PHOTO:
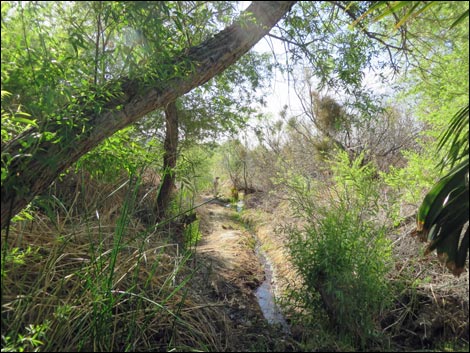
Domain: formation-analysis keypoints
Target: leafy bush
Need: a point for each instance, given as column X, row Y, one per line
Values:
column 342, row 254
column 117, row 154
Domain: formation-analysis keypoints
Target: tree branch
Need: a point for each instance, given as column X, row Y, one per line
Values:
column 31, row 171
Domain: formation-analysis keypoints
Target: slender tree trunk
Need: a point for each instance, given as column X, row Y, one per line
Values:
column 169, row 161
column 34, row 166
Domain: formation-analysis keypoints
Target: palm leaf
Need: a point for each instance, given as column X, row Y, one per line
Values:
column 461, row 18
column 457, row 136
column 442, row 219
column 386, row 8
column 444, row 212
column 438, row 197
column 413, row 12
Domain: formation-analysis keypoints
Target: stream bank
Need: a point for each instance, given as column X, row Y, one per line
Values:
column 265, row 293
column 232, row 272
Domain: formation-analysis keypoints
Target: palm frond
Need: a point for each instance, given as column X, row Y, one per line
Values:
column 461, row 18
column 444, row 212
column 457, row 135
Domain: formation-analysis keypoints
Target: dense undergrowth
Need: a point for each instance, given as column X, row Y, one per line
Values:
column 100, row 282
column 106, row 280
column 353, row 277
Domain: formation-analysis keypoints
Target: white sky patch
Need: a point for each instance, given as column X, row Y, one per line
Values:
column 281, row 91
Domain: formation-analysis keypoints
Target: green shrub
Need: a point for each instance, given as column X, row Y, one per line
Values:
column 344, row 260
column 342, row 255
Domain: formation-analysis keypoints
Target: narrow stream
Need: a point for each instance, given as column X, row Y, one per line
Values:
column 265, row 292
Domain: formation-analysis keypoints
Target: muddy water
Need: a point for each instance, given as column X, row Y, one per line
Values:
column 265, row 292
column 265, row 295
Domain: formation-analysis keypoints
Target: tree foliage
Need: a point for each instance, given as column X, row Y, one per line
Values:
column 96, row 110
column 443, row 215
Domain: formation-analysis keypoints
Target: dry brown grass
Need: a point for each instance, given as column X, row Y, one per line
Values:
column 62, row 281
column 432, row 307
column 93, row 290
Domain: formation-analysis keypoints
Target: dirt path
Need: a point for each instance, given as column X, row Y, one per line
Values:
column 233, row 271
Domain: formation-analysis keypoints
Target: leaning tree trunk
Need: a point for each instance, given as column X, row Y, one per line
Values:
column 169, row 161
column 34, row 166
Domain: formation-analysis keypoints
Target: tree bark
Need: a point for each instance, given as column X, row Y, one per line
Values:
column 169, row 161
column 33, row 168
